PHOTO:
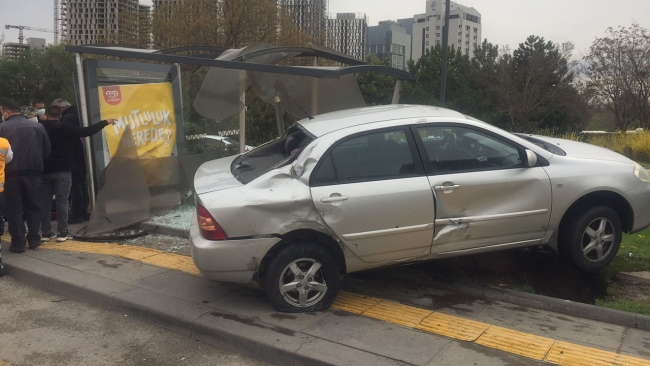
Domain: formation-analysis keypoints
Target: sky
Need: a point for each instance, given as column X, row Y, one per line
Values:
column 505, row 22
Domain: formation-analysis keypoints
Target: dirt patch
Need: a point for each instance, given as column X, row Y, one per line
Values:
column 631, row 291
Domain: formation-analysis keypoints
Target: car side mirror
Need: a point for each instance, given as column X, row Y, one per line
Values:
column 531, row 158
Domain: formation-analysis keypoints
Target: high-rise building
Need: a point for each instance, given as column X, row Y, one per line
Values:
column 13, row 51
column 464, row 28
column 346, row 33
column 309, row 16
column 100, row 21
column 144, row 26
column 35, row 43
column 389, row 40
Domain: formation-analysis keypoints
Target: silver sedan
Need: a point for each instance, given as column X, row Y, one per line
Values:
column 372, row 187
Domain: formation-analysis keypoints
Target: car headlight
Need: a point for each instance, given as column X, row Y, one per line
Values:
column 641, row 173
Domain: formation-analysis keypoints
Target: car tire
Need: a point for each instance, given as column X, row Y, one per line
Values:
column 591, row 240
column 302, row 277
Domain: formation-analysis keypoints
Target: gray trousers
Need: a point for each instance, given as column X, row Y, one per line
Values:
column 58, row 185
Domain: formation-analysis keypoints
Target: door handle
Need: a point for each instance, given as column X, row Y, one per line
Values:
column 446, row 188
column 334, row 198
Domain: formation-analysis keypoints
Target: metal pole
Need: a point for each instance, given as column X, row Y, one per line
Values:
column 242, row 112
column 397, row 92
column 445, row 49
column 278, row 115
column 83, row 110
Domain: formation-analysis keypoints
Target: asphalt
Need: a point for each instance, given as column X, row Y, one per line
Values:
column 360, row 329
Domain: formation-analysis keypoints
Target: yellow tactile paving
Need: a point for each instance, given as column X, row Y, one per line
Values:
column 353, row 303
column 397, row 313
column 564, row 353
column 453, row 326
column 519, row 343
column 174, row 261
column 507, row 340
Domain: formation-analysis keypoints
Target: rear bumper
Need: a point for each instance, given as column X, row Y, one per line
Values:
column 228, row 260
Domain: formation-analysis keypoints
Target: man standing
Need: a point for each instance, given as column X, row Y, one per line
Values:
column 39, row 108
column 79, row 189
column 31, row 147
column 57, row 171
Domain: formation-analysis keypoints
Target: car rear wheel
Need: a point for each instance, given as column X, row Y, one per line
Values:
column 592, row 239
column 302, row 277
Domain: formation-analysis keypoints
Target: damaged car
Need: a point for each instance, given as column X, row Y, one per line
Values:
column 372, row 187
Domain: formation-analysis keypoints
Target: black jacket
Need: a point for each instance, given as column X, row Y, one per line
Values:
column 62, row 137
column 30, row 145
column 71, row 116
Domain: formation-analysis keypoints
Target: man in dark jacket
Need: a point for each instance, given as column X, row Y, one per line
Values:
column 57, row 172
column 31, row 147
column 79, row 188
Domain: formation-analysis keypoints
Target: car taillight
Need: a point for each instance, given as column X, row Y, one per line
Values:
column 208, row 226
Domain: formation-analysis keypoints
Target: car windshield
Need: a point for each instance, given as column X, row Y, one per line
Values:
column 544, row 145
column 271, row 155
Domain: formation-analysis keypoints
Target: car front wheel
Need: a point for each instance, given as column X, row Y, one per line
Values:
column 302, row 277
column 592, row 239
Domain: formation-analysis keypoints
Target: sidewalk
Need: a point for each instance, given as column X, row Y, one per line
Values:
column 166, row 290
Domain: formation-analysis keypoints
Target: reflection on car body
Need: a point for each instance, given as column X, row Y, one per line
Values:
column 371, row 187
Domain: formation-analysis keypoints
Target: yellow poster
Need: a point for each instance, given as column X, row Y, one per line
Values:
column 148, row 110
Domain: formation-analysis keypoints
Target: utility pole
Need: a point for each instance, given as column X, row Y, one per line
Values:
column 445, row 50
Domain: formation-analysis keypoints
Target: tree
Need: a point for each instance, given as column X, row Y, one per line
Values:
column 618, row 75
column 377, row 89
column 224, row 23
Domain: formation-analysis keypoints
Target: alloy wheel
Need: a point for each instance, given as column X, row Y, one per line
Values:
column 598, row 239
column 302, row 283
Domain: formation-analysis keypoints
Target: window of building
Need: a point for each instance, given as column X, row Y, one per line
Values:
column 438, row 27
column 427, row 43
column 427, row 35
column 454, row 16
column 427, row 29
column 437, row 34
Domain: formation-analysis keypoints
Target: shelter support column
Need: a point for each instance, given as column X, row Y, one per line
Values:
column 397, row 92
column 242, row 112
column 83, row 110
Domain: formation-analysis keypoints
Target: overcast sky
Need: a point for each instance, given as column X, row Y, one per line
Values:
column 505, row 22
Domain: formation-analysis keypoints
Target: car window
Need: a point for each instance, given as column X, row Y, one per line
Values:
column 456, row 149
column 271, row 155
column 374, row 156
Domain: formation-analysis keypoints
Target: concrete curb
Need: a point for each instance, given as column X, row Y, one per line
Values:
column 567, row 307
column 246, row 336
column 165, row 230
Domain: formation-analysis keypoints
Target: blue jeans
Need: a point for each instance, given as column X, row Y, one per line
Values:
column 57, row 185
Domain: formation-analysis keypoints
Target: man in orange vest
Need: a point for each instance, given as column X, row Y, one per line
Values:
column 5, row 156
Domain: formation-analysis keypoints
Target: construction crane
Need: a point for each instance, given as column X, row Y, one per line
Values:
column 20, row 28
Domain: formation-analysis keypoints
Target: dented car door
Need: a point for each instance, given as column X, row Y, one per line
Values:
column 485, row 194
column 372, row 192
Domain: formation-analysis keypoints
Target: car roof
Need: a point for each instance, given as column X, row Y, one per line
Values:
column 329, row 122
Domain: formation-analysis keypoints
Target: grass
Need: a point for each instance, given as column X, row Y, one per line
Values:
column 523, row 287
column 633, row 256
column 645, row 165
column 625, row 305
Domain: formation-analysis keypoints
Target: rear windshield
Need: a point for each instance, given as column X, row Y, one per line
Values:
column 544, row 145
column 271, row 155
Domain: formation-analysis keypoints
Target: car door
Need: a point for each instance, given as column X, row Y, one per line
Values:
column 371, row 190
column 484, row 192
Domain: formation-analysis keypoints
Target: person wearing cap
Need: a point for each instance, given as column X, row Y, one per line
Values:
column 79, row 189
column 31, row 146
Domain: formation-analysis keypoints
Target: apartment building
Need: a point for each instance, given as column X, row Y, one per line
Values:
column 464, row 28
column 389, row 40
column 100, row 21
column 309, row 16
column 346, row 33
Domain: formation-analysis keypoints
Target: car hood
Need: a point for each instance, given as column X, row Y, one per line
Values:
column 583, row 150
column 215, row 175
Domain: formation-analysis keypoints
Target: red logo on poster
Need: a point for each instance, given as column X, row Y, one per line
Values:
column 112, row 95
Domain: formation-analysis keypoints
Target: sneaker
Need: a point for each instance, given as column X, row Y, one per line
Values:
column 61, row 237
column 47, row 237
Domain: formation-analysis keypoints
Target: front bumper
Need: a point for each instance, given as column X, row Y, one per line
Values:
column 228, row 260
column 640, row 200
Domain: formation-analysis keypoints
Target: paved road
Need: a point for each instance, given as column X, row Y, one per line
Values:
column 41, row 328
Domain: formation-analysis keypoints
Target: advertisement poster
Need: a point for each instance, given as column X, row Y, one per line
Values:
column 148, row 110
